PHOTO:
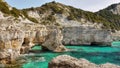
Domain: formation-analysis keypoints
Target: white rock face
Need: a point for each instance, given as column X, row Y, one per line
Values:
column 62, row 20
column 86, row 36
column 66, row 61
column 34, row 14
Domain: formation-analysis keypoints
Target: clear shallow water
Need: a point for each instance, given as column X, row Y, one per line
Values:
column 98, row 55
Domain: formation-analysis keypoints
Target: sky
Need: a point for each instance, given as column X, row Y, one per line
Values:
column 88, row 5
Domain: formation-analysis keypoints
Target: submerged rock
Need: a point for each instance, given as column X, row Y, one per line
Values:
column 66, row 61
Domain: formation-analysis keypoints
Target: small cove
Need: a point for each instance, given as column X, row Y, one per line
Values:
column 95, row 54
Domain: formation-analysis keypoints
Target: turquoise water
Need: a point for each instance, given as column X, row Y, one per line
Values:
column 116, row 43
column 36, row 48
column 98, row 55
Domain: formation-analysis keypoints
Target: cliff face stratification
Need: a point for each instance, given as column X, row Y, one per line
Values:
column 86, row 36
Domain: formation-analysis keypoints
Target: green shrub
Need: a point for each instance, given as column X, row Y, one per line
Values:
column 71, row 17
column 32, row 19
column 4, row 8
column 15, row 12
column 51, row 18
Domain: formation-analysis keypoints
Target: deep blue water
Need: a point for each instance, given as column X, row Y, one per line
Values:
column 95, row 54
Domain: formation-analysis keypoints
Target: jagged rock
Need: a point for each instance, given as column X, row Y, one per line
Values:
column 66, row 61
column 53, row 41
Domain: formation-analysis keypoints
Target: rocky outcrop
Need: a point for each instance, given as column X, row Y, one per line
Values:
column 16, row 38
column 86, row 36
column 49, row 38
column 54, row 41
column 65, row 61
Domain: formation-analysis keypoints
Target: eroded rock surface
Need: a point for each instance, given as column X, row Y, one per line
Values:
column 54, row 41
column 86, row 36
column 66, row 61
column 18, row 38
column 10, row 44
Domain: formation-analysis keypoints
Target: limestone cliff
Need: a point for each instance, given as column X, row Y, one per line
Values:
column 15, row 40
column 19, row 32
column 86, row 36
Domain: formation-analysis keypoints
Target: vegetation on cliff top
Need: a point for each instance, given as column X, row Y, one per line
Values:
column 77, row 14
column 5, row 9
column 74, row 14
column 106, row 17
column 13, row 11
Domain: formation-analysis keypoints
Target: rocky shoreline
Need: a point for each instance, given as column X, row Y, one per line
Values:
column 19, row 40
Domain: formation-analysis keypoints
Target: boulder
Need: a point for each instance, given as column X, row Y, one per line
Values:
column 66, row 61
